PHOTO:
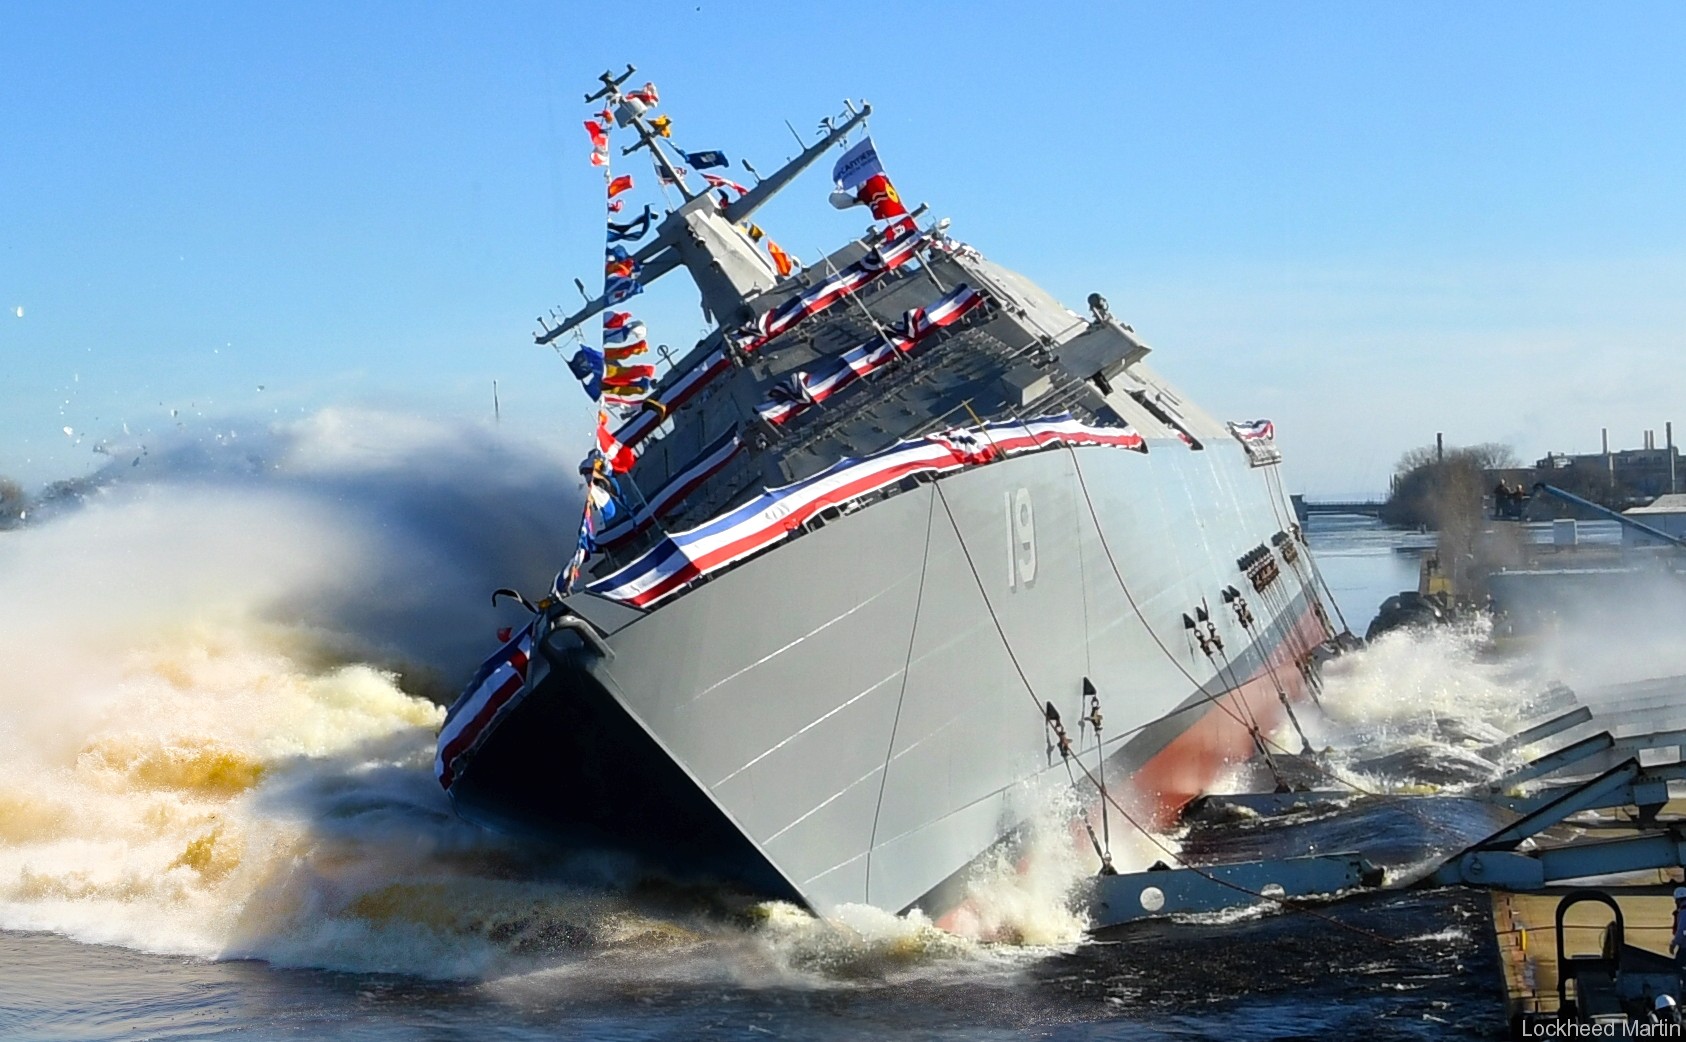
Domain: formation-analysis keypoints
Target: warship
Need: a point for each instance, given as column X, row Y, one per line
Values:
column 901, row 542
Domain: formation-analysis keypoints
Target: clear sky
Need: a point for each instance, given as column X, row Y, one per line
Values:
column 1367, row 222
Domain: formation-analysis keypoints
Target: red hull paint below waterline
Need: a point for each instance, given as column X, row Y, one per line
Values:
column 1153, row 796
column 1222, row 737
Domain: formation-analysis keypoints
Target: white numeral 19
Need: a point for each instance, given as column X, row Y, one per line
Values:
column 1021, row 540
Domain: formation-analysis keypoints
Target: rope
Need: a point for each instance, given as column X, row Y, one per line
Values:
column 1244, row 616
column 1275, row 494
column 1216, row 701
column 1274, row 481
column 1065, row 749
column 1285, row 903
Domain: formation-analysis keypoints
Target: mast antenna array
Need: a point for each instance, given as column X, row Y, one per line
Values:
column 661, row 254
column 611, row 84
column 629, row 114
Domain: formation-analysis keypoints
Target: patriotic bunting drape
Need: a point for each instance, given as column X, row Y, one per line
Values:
column 494, row 690
column 708, row 463
column 678, row 560
column 1258, row 439
column 812, row 301
column 785, row 402
column 826, row 292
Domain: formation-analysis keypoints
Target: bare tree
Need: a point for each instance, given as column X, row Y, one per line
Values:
column 1493, row 455
column 13, row 503
column 1443, row 490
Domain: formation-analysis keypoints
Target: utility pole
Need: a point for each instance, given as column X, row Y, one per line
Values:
column 1668, row 433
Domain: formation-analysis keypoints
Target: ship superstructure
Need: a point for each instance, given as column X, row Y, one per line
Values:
column 889, row 544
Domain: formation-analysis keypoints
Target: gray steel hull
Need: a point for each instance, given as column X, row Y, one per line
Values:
column 853, row 716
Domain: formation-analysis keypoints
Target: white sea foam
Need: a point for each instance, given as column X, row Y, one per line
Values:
column 1406, row 680
column 218, row 743
column 201, row 756
column 218, row 740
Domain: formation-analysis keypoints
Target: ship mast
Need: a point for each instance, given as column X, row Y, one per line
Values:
column 700, row 235
column 629, row 114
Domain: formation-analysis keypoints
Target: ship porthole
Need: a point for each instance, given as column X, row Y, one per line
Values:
column 1153, row 899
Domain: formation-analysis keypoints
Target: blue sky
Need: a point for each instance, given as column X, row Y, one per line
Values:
column 1366, row 222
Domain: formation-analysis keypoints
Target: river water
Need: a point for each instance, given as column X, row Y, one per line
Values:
column 222, row 821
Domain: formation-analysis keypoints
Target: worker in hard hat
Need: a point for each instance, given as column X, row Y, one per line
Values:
column 1665, row 1011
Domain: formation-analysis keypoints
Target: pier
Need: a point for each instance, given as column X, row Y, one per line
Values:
column 1580, row 876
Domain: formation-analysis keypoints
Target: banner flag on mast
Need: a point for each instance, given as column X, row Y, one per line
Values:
column 881, row 198
column 588, row 364
column 861, row 180
column 599, row 142
column 857, row 164
column 715, row 181
column 705, row 160
column 633, row 230
column 662, row 174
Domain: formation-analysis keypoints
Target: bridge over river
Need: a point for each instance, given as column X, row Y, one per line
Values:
column 1304, row 508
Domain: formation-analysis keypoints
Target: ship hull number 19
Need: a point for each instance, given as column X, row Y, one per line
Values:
column 1021, row 540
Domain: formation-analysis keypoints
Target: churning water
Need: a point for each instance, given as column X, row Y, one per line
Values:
column 217, row 812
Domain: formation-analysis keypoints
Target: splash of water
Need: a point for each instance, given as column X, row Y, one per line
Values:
column 220, row 738
column 1407, row 677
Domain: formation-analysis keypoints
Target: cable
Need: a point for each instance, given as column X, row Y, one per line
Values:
column 1311, row 561
column 1215, row 700
column 1275, row 493
column 1065, row 748
column 1283, row 902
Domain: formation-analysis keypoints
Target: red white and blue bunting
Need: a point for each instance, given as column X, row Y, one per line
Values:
column 673, row 564
column 779, row 320
column 826, row 292
column 708, row 463
column 493, row 692
column 804, row 389
column 1258, row 438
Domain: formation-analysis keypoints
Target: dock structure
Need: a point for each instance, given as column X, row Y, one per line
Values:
column 1524, row 925
column 1626, row 847
column 1589, row 845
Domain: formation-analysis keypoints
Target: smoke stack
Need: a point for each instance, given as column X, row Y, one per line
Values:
column 1668, row 432
column 1439, row 447
column 1609, row 461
